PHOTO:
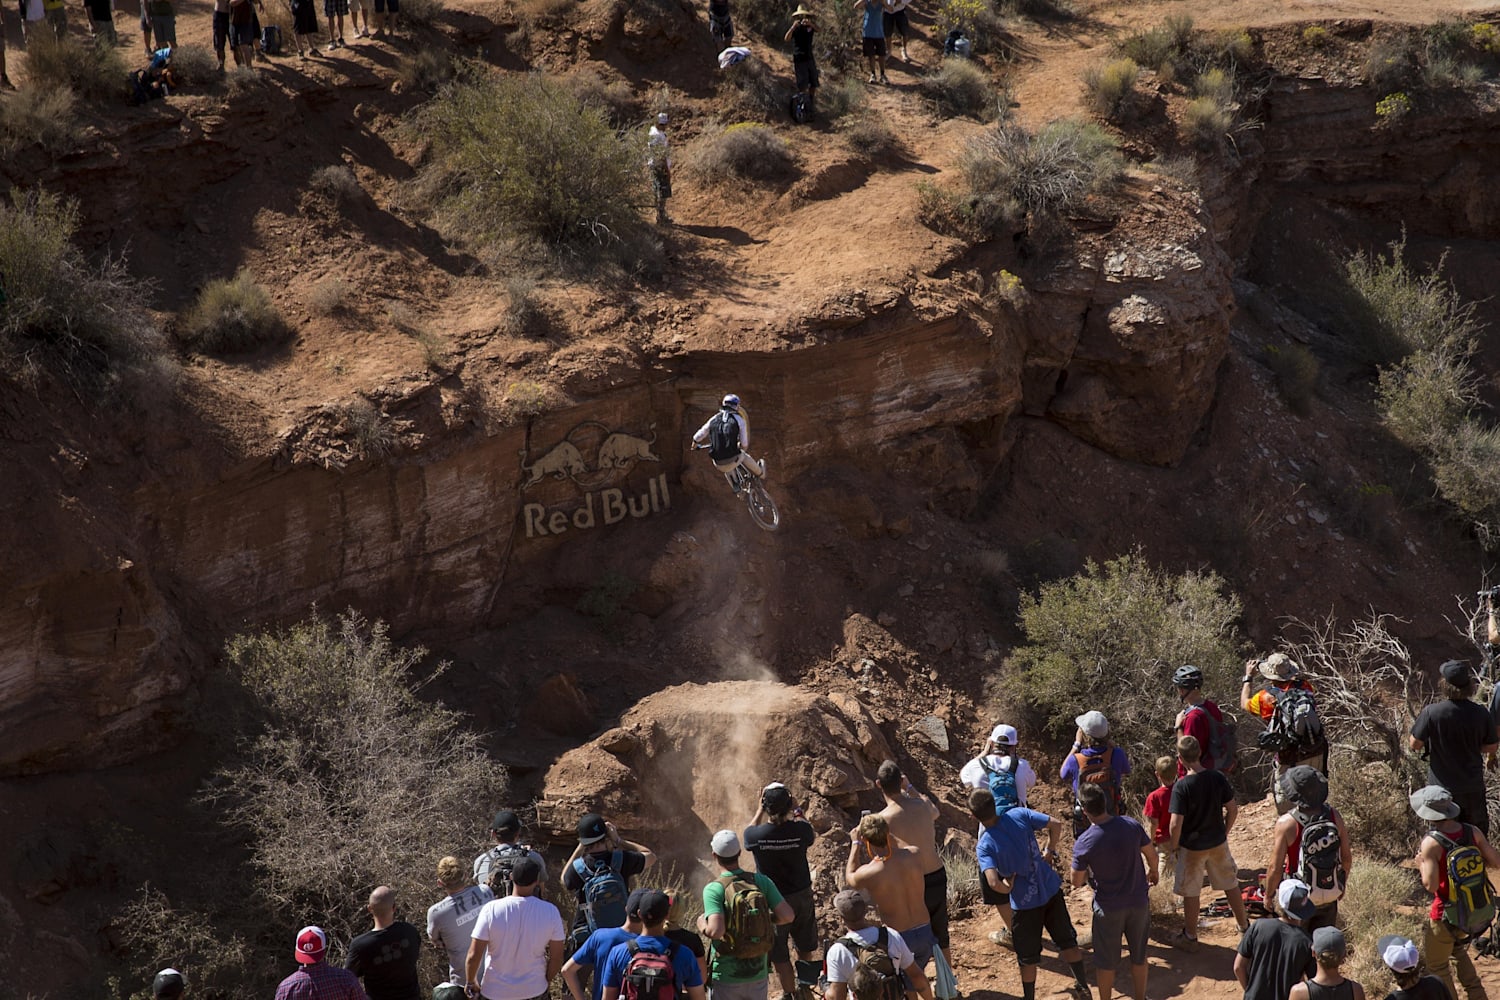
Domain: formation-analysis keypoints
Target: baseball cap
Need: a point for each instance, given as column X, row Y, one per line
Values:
column 311, row 945
column 1433, row 802
column 591, row 829
column 1457, row 673
column 167, row 985
column 776, row 798
column 1093, row 724
column 525, row 872
column 653, row 906
column 725, row 844
column 661, row 118
column 851, row 904
column 1329, row 942
column 1003, row 734
column 505, row 820
column 1291, row 896
column 1398, row 953
column 633, row 902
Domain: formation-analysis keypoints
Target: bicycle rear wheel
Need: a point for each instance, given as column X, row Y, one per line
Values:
column 762, row 508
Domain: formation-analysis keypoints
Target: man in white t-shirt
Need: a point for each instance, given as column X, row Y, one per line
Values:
column 843, row 954
column 1000, row 753
column 451, row 920
column 517, row 941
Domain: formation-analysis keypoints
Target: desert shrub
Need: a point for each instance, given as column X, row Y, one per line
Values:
column 329, row 296
column 1425, row 397
column 962, row 868
column 369, row 433
column 750, row 88
column 1399, row 311
column 216, row 962
column 351, row 779
column 1045, row 174
column 1123, row 626
column 612, row 97
column 38, row 115
column 1205, row 121
column 959, row 87
column 520, row 162
column 686, row 895
column 869, row 136
column 1109, row 86
column 1485, row 37
column 95, row 73
column 1315, row 35
column 1182, row 169
column 1215, row 84
column 421, row 13
column 1160, row 47
column 973, row 218
column 243, row 80
column 840, row 98
column 838, row 35
column 62, row 314
column 1392, row 107
column 523, row 312
column 1230, row 47
column 745, row 152
column 337, row 183
column 196, row 66
column 1296, row 371
column 1389, row 66
column 1378, row 900
column 524, row 400
column 232, row 316
column 427, row 69
column 1466, row 469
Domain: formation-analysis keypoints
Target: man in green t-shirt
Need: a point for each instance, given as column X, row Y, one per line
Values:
column 733, row 978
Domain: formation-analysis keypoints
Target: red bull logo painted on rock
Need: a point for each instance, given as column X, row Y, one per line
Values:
column 598, row 461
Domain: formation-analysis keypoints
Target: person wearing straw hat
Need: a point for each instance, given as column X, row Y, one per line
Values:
column 800, row 34
column 1445, row 942
column 1401, row 956
column 1283, row 675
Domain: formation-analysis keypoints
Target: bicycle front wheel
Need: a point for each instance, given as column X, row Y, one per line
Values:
column 762, row 508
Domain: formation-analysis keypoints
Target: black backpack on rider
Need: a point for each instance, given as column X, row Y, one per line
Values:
column 724, row 437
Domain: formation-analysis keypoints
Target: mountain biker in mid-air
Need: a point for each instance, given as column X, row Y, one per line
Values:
column 728, row 436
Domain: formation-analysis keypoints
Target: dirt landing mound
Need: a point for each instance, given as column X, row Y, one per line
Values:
column 693, row 758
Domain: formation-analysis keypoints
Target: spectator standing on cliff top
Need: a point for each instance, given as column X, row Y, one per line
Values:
column 1095, row 760
column 804, row 64
column 1455, row 735
column 335, row 11
column 450, row 921
column 1455, row 860
column 517, row 947
column 659, row 165
column 595, row 950
column 1198, row 718
column 505, row 830
column 315, row 979
column 386, row 957
column 1203, row 813
column 1310, row 843
column 1000, row 769
column 912, row 819
column 5, row 83
column 160, row 17
column 1116, row 857
column 872, row 36
column 894, row 21
column 1288, row 707
column 599, row 870
column 851, row 957
column 741, row 911
column 624, row 965
column 779, row 837
column 102, row 21
column 304, row 26
column 892, row 878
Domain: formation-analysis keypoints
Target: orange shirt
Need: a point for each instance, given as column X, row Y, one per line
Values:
column 1263, row 703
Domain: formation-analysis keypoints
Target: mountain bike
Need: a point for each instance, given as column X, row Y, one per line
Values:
column 749, row 487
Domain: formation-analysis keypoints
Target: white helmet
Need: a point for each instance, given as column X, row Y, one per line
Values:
column 731, row 402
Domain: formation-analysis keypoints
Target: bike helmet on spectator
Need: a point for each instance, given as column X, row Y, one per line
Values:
column 731, row 402
column 1187, row 676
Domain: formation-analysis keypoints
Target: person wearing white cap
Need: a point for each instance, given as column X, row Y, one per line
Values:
column 1000, row 758
column 1329, row 951
column 1455, row 860
column 1094, row 760
column 738, row 964
column 1400, row 955
column 1275, row 954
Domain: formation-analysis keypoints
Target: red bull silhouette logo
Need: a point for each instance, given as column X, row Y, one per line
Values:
column 593, row 457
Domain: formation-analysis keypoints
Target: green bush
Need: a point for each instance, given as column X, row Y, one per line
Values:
column 370, row 436
column 612, row 97
column 1124, row 627
column 216, row 961
column 750, row 88
column 1390, row 65
column 519, row 161
column 351, row 778
column 1045, row 174
column 196, row 67
column 841, row 97
column 61, row 314
column 1399, row 311
column 427, row 69
column 960, row 87
column 1161, row 47
column 1425, row 397
column 1205, row 122
column 421, row 13
column 337, row 183
column 38, row 115
column 869, row 136
column 232, row 316
column 94, row 72
column 1109, row 87
column 743, row 152
column 1215, row 84
column 1296, row 371
column 1315, row 35
column 1378, row 900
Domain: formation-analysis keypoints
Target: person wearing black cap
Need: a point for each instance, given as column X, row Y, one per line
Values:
column 1445, row 945
column 505, row 828
column 1455, row 735
column 652, row 907
column 1275, row 954
column 517, row 942
column 1310, row 843
column 592, row 953
column 168, row 985
column 600, row 846
column 780, row 848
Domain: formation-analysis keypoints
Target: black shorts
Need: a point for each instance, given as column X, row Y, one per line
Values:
column 807, row 73
column 335, row 8
column 935, row 898
column 221, row 30
column 896, row 23
column 1027, row 929
column 989, row 896
column 874, row 46
column 802, row 932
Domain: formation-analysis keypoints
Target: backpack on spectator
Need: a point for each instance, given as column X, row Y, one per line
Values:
column 503, row 858
column 1321, row 865
column 1469, row 906
column 1003, row 783
column 603, row 889
column 875, row 975
column 1294, row 730
column 270, row 40
column 1223, row 742
column 1097, row 769
column 749, row 925
column 723, row 437
column 801, row 107
column 649, row 975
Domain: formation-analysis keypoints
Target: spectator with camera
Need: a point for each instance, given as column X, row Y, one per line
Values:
column 1455, row 735
column 1289, row 709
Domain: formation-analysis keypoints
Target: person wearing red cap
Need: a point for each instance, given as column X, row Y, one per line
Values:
column 315, row 979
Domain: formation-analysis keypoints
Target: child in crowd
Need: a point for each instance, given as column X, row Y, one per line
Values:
column 1158, row 811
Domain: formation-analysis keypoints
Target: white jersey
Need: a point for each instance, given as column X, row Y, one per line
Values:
column 973, row 774
column 702, row 435
column 842, row 959
column 516, row 931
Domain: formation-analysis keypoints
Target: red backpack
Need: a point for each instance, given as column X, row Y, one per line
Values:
column 649, row 974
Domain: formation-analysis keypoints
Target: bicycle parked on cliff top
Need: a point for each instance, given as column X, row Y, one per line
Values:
column 749, row 487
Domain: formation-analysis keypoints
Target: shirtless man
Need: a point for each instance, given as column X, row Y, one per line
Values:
column 911, row 817
column 893, row 879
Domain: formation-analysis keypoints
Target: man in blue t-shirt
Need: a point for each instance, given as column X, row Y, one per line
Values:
column 591, row 955
column 653, row 907
column 1010, row 862
column 1109, row 856
column 873, row 36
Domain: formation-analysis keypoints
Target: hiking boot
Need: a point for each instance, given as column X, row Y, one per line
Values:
column 1081, row 991
column 1003, row 938
column 872, row 78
